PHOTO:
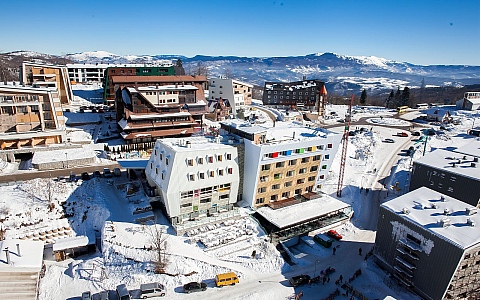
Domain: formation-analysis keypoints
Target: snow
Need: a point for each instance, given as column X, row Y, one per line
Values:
column 33, row 208
column 63, row 155
column 30, row 256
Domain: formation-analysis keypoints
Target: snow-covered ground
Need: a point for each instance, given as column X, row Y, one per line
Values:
column 111, row 207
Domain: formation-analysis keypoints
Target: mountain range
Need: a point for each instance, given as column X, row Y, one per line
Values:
column 343, row 74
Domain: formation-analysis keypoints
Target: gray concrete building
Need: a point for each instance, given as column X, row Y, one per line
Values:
column 454, row 173
column 429, row 242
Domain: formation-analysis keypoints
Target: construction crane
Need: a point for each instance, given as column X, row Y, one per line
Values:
column 348, row 118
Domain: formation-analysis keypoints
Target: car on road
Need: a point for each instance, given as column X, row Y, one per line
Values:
column 87, row 295
column 72, row 178
column 153, row 289
column 410, row 151
column 97, row 173
column 107, row 173
column 194, row 287
column 334, row 234
column 299, row 280
column 402, row 134
column 431, row 132
column 416, row 133
column 388, row 141
column 85, row 176
column 103, row 295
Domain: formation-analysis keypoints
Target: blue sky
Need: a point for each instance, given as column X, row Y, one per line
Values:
column 423, row 32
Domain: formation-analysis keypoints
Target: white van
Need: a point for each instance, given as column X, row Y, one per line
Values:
column 153, row 289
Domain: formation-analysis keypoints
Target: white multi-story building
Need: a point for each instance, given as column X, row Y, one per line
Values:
column 194, row 177
column 236, row 92
column 283, row 162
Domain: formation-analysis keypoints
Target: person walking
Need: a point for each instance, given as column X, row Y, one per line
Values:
column 341, row 278
column 360, row 251
column 334, row 250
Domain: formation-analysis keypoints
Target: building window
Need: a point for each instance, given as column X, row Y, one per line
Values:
column 201, row 175
column 211, row 174
column 301, row 181
column 322, row 176
column 287, row 184
column 219, row 157
column 151, row 165
column 317, row 157
column 266, row 167
column 200, row 160
column 230, row 170
column 220, row 172
column 262, row 190
column 210, row 159
column 273, row 197
column 280, row 164
column 156, row 170
column 263, row 178
column 292, row 162
column 285, row 194
column 186, row 205
column 298, row 191
column 206, row 200
column 313, row 168
column 260, row 200
column 302, row 171
column 320, row 147
column 229, row 156
column 166, row 161
column 305, row 160
column 277, row 176
column 155, row 152
column 190, row 162
column 290, row 173
column 275, row 186
column 453, row 178
column 163, row 175
column 327, row 156
column 324, row 167
column 311, row 178
column 329, row 146
column 191, row 177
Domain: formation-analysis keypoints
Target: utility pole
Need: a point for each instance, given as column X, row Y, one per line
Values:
column 346, row 131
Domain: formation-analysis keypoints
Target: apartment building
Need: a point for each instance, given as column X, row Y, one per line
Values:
column 236, row 92
column 148, row 113
column 429, row 242
column 135, row 71
column 30, row 117
column 307, row 94
column 454, row 173
column 195, row 177
column 285, row 163
column 48, row 76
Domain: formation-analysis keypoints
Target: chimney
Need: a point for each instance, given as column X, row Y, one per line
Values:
column 475, row 159
column 446, row 211
column 18, row 250
column 405, row 211
column 473, row 165
column 470, row 222
column 7, row 254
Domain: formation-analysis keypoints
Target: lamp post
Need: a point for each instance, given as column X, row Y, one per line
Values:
column 315, row 270
column 66, row 159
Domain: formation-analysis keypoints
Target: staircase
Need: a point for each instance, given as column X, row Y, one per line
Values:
column 18, row 285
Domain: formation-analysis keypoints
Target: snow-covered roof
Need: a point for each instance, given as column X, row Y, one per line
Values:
column 74, row 242
column 153, row 116
column 31, row 255
column 244, row 126
column 62, row 155
column 303, row 211
column 472, row 148
column 167, row 88
column 193, row 144
column 443, row 159
column 421, row 211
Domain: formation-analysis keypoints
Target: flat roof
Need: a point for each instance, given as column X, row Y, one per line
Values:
column 193, row 144
column 31, row 255
column 421, row 212
column 142, row 79
column 472, row 149
column 304, row 211
column 171, row 87
column 138, row 163
column 443, row 159
column 74, row 242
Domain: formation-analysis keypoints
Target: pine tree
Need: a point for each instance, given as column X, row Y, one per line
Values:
column 179, row 63
column 406, row 96
column 363, row 97
column 398, row 98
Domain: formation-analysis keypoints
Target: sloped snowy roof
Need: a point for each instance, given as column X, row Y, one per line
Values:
column 153, row 116
column 303, row 211
column 74, row 242
column 443, row 159
column 31, row 255
column 472, row 148
column 421, row 212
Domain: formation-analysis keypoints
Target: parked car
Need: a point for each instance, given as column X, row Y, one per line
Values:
column 299, row 280
column 107, row 173
column 72, row 178
column 117, row 172
column 153, row 289
column 97, row 173
column 416, row 133
column 85, row 176
column 388, row 141
column 194, row 287
column 323, row 240
column 103, row 295
column 122, row 292
column 334, row 234
column 87, row 295
column 402, row 134
column 410, row 151
column 431, row 132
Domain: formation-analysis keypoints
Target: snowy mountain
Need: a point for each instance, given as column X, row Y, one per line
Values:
column 343, row 74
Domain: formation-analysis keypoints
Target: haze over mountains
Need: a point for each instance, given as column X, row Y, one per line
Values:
column 343, row 74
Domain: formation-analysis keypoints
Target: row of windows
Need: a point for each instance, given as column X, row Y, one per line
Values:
column 203, row 175
column 286, row 184
column 284, row 195
column 204, row 191
column 288, row 92
column 162, row 93
column 209, row 159
column 300, row 151
column 289, row 173
column 441, row 175
column 288, row 97
column 440, row 186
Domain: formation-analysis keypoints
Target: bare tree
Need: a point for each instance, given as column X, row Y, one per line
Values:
column 158, row 243
column 227, row 73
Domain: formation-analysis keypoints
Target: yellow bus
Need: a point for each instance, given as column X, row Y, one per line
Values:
column 401, row 109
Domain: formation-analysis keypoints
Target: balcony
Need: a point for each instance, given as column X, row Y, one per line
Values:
column 407, row 254
column 411, row 245
column 405, row 263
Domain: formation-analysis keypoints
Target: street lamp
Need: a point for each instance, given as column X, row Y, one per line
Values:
column 66, row 159
column 315, row 270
